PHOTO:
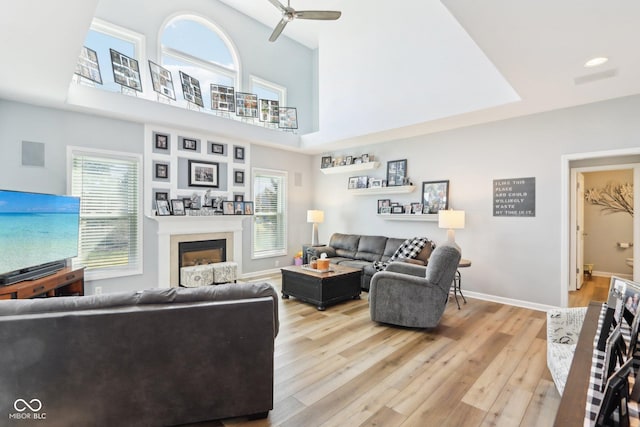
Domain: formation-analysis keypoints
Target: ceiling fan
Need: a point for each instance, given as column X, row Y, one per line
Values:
column 289, row 14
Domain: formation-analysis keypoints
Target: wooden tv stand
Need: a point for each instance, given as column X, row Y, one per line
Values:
column 61, row 283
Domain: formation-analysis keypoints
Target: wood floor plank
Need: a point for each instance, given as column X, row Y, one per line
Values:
column 543, row 407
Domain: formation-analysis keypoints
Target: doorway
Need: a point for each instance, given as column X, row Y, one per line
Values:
column 571, row 240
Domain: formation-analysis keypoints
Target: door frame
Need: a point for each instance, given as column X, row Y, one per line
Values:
column 566, row 212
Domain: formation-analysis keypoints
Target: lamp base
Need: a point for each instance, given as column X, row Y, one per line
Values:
column 314, row 234
column 451, row 239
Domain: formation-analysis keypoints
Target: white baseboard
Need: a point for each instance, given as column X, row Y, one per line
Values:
column 509, row 301
column 608, row 274
column 259, row 274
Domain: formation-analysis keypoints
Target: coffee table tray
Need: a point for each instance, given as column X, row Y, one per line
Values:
column 316, row 270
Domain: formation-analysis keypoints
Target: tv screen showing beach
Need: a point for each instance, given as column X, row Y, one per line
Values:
column 37, row 229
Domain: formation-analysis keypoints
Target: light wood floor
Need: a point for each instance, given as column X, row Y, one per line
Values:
column 484, row 365
column 595, row 288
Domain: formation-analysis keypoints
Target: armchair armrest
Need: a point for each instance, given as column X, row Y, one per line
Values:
column 316, row 251
column 407, row 268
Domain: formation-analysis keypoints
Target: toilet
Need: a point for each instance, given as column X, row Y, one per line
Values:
column 629, row 262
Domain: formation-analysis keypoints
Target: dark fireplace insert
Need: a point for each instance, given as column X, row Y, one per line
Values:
column 201, row 252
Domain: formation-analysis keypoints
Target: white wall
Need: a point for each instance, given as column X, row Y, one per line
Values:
column 513, row 258
column 604, row 229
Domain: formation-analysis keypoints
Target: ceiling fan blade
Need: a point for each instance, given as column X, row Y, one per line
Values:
column 279, row 5
column 276, row 32
column 318, row 14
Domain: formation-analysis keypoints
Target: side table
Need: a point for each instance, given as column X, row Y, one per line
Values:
column 305, row 246
column 457, row 281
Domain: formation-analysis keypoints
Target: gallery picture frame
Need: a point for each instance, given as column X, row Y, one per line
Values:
column 217, row 148
column 189, row 144
column 238, row 208
column 383, row 203
column 247, row 105
column 326, row 162
column 348, row 160
column 126, row 71
column 396, row 172
column 238, row 153
column 204, row 174
column 88, row 66
column 162, row 208
column 397, row 209
column 248, row 208
column 162, row 170
column 162, row 80
column 238, row 177
column 435, row 196
column 228, row 207
column 162, row 141
column 191, row 89
column 269, row 111
column 222, row 98
column 238, row 198
column 177, row 207
column 288, row 118
column 375, row 183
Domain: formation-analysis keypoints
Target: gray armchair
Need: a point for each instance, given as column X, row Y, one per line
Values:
column 411, row 295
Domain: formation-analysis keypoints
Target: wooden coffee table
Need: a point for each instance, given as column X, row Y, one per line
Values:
column 321, row 289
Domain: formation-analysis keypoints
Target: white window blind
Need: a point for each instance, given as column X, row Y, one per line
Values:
column 270, row 214
column 108, row 185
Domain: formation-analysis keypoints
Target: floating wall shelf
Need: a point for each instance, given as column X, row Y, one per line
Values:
column 409, row 217
column 382, row 190
column 350, row 168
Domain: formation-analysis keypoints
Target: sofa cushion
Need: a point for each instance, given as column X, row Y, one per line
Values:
column 370, row 248
column 346, row 245
column 391, row 246
column 354, row 263
column 339, row 260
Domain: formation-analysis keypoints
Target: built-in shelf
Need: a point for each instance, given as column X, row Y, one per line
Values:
column 382, row 190
column 351, row 168
column 409, row 217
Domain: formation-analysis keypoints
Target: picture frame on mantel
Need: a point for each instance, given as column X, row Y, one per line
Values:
column 203, row 174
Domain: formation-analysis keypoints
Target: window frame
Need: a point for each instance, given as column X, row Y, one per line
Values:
column 284, row 175
column 130, row 270
column 282, row 90
column 206, row 65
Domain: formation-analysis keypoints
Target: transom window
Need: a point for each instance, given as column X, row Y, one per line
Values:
column 198, row 48
column 269, row 90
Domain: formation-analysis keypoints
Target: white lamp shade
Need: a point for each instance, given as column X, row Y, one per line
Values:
column 315, row 216
column 451, row 219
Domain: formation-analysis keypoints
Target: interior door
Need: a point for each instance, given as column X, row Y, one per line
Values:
column 579, row 232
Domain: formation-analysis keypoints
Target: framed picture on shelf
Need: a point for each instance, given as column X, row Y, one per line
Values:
column 376, row 183
column 363, row 181
column 126, row 71
column 348, row 160
column 247, row 104
column 88, row 66
column 191, row 89
column 357, row 160
column 227, row 207
column 189, row 144
column 217, row 148
column 238, row 177
column 396, row 172
column 384, row 203
column 269, row 111
column 162, row 170
column 435, row 196
column 397, row 209
column 161, row 80
column 177, row 207
column 326, row 162
column 288, row 118
column 238, row 153
column 162, row 195
column 238, row 208
column 203, row 174
column 223, row 98
column 248, row 208
column 162, row 208
column 365, row 158
column 416, row 208
column 162, row 141
column 353, row 183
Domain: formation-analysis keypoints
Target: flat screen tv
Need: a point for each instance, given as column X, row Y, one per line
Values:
column 38, row 233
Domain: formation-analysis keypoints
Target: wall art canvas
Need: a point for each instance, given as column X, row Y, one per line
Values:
column 246, row 104
column 126, row 71
column 88, row 66
column 269, row 111
column 162, row 80
column 223, row 98
column 191, row 89
column 288, row 118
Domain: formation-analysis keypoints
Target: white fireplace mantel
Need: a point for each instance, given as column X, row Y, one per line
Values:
column 168, row 226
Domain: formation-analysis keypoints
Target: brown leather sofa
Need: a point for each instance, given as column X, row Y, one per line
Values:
column 150, row 358
column 360, row 251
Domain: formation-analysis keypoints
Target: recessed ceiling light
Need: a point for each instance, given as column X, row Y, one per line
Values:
column 594, row 62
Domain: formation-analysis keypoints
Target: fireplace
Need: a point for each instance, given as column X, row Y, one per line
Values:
column 201, row 252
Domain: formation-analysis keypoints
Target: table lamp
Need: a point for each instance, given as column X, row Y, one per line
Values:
column 451, row 220
column 315, row 217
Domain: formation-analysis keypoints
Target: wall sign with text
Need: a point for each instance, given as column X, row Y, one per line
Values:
column 514, row 197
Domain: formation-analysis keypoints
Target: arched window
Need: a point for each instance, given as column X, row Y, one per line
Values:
column 198, row 48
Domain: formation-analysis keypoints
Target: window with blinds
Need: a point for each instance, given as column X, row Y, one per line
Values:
column 108, row 185
column 270, row 213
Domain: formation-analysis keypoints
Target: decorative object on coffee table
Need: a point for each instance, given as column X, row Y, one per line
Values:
column 315, row 217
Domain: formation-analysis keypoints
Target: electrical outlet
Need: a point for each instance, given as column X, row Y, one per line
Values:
column 98, row 290
column 277, row 263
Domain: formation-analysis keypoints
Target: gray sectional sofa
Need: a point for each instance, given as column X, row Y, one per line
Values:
column 360, row 251
column 150, row 358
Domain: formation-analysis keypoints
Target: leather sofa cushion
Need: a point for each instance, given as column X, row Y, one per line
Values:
column 346, row 245
column 356, row 263
column 370, row 248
